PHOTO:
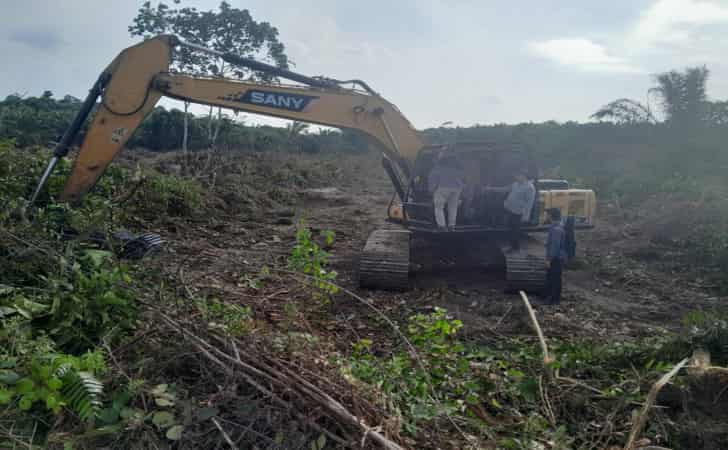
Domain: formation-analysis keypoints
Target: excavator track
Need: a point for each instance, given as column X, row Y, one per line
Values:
column 385, row 260
column 525, row 272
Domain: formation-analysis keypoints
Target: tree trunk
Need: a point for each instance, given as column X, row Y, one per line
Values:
column 217, row 127
column 210, row 118
column 186, row 128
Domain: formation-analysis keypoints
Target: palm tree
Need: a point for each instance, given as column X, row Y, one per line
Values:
column 293, row 132
column 684, row 95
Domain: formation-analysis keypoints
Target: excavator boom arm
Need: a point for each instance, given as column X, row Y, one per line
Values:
column 135, row 81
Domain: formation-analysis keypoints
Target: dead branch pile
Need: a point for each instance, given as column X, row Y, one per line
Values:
column 300, row 402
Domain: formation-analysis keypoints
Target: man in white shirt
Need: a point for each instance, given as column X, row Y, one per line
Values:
column 518, row 205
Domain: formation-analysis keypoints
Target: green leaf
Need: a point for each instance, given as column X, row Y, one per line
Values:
column 163, row 419
column 529, row 388
column 159, row 389
column 108, row 416
column 53, row 403
column 5, row 289
column 8, row 363
column 7, row 311
column 161, row 401
column 515, row 373
column 321, row 441
column 8, row 377
column 98, row 257
column 54, row 383
column 127, row 413
column 30, row 309
column 6, row 396
column 24, row 386
column 25, row 402
column 175, row 433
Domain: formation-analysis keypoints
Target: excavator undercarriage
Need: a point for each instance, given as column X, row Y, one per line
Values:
column 390, row 256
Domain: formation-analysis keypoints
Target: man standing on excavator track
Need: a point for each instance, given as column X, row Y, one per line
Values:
column 446, row 183
column 518, row 205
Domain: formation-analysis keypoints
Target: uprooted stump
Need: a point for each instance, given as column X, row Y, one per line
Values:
column 698, row 410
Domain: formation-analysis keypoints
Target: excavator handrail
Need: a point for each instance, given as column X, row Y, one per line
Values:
column 318, row 81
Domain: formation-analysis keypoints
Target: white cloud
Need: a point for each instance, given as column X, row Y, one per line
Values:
column 582, row 54
column 671, row 21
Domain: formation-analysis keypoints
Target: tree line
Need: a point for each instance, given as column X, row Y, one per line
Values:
column 682, row 98
column 41, row 121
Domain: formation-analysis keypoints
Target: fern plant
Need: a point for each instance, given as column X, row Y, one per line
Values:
column 81, row 391
column 55, row 381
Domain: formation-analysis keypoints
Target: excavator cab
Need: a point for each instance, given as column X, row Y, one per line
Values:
column 480, row 236
column 483, row 164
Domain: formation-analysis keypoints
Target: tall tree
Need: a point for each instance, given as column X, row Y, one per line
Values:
column 684, row 94
column 227, row 29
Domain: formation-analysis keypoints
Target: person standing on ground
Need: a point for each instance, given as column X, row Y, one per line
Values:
column 446, row 184
column 555, row 257
column 518, row 205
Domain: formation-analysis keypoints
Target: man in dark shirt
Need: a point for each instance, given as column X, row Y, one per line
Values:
column 555, row 257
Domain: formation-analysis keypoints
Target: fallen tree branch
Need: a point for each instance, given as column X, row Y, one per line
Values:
column 225, row 435
column 289, row 381
column 639, row 423
column 413, row 352
column 541, row 339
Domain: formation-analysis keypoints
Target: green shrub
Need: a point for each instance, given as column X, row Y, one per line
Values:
column 438, row 380
column 310, row 259
column 164, row 195
column 89, row 301
column 33, row 373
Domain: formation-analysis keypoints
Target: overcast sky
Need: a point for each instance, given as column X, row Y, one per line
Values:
column 466, row 61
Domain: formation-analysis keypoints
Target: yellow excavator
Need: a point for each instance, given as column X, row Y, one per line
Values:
column 140, row 75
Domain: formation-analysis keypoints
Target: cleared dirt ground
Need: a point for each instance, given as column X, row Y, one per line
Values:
column 621, row 285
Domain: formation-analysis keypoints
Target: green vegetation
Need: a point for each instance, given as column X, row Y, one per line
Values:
column 310, row 259
column 496, row 391
column 100, row 352
column 65, row 300
column 40, row 121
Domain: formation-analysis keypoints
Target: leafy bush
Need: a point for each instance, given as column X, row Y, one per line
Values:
column 88, row 302
column 164, row 195
column 438, row 380
column 33, row 373
column 309, row 258
column 231, row 319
